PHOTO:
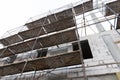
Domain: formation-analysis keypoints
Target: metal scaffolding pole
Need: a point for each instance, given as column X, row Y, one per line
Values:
column 79, row 44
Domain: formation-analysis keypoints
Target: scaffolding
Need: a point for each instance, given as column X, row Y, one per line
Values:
column 55, row 28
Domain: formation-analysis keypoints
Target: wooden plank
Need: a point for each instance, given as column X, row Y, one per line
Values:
column 5, row 51
column 43, row 42
column 50, row 19
column 18, row 48
column 10, row 40
column 37, row 23
column 88, row 6
column 60, row 38
column 53, row 27
column 113, row 6
column 63, row 60
column 32, row 33
column 64, row 14
column 4, row 42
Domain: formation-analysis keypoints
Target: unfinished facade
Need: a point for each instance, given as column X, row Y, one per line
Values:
column 80, row 41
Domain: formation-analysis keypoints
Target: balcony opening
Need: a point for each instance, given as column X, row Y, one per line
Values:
column 87, row 54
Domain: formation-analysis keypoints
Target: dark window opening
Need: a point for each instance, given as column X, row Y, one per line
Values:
column 75, row 46
column 85, row 49
column 42, row 53
column 118, row 22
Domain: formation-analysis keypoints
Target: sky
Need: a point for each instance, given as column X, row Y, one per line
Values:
column 15, row 13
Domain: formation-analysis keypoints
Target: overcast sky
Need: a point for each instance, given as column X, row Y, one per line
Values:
column 14, row 13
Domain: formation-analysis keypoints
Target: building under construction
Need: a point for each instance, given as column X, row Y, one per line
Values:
column 79, row 41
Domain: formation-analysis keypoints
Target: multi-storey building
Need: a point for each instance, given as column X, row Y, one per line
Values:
column 80, row 41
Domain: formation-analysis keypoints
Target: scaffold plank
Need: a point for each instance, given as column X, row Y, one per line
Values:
column 10, row 40
column 53, row 27
column 4, row 42
column 37, row 23
column 42, row 42
column 5, row 51
column 63, row 60
column 50, row 19
column 88, row 6
column 112, row 8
